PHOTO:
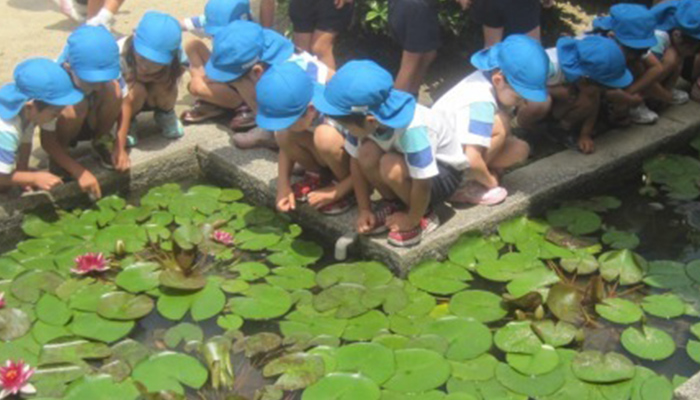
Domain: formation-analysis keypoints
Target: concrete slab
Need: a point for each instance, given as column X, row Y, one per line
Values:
column 690, row 390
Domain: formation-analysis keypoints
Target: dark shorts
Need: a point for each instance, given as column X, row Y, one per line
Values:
column 311, row 15
column 415, row 25
column 444, row 184
column 687, row 70
column 515, row 16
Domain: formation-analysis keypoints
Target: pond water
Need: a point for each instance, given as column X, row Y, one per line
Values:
column 189, row 292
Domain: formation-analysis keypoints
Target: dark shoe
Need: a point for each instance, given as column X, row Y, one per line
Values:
column 382, row 212
column 310, row 182
column 254, row 139
column 243, row 119
column 201, row 111
column 102, row 149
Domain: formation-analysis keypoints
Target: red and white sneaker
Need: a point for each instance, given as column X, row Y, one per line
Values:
column 428, row 223
column 383, row 210
column 310, row 182
column 475, row 193
column 338, row 207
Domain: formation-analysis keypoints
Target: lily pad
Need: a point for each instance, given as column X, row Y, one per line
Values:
column 439, row 278
column 693, row 350
column 366, row 326
column 581, row 264
column 564, row 301
column 481, row 368
column 623, row 265
column 342, row 386
column 257, row 238
column 369, row 359
column 170, row 371
column 541, row 362
column 262, row 302
column 251, row 271
column 259, row 343
column 178, row 280
column 87, row 297
column 312, row 324
column 92, row 326
column 367, row 274
column 124, row 306
column 620, row 239
column 693, row 270
column 14, row 323
column 230, row 322
column 471, row 248
column 508, row 267
column 517, row 337
column 292, row 278
column 51, row 310
column 531, row 280
column 657, row 388
column 297, row 370
column 183, row 332
column 533, row 386
column 73, row 351
column 576, row 220
column 478, row 304
column 28, row 286
column 235, row 286
column 596, row 367
column 133, row 236
column 299, row 253
column 667, row 275
column 203, row 304
column 556, row 335
column 619, row 310
column 418, row 370
column 345, row 298
column 139, row 277
column 648, row 343
column 101, row 387
column 467, row 338
column 664, row 305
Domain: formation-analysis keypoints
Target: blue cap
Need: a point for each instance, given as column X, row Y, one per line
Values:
column 633, row 25
column 38, row 79
column 283, row 93
column 93, row 54
column 679, row 14
column 595, row 57
column 278, row 48
column 158, row 37
column 237, row 48
column 363, row 87
column 219, row 13
column 522, row 61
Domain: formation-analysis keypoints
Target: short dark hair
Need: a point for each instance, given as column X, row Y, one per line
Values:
column 352, row 119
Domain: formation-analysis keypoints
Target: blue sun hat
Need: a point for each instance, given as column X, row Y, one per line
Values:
column 594, row 57
column 283, row 93
column 522, row 61
column 278, row 48
column 158, row 37
column 679, row 14
column 633, row 25
column 38, row 79
column 363, row 87
column 93, row 54
column 219, row 13
column 237, row 48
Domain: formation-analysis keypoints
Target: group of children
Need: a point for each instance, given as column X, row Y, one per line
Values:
column 350, row 131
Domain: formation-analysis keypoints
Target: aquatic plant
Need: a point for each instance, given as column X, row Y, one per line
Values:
column 89, row 263
column 14, row 379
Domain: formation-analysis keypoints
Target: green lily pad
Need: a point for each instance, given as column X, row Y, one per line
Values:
column 262, row 302
column 596, row 367
column 517, row 337
column 531, row 280
column 235, row 286
column 92, row 326
column 292, row 278
column 541, row 362
column 576, row 220
column 467, row 338
column 667, row 275
column 366, row 326
column 203, row 304
column 139, row 277
column 14, row 323
column 520, row 229
column 259, row 343
column 44, row 333
column 124, row 306
column 693, row 270
column 391, row 297
column 418, row 370
column 481, row 368
column 297, row 370
column 471, row 248
column 619, row 310
column 478, row 304
column 367, row 274
column 564, row 301
column 28, row 286
column 508, row 267
column 623, row 265
column 693, row 350
column 9, row 268
column 648, row 343
column 657, row 388
column 664, row 305
column 183, row 332
column 439, row 278
column 342, row 386
column 51, row 310
column 408, row 326
column 432, row 342
column 533, row 386
column 257, row 238
column 87, row 297
column 299, row 253
column 73, row 351
column 369, row 359
column 133, row 236
column 313, row 325
column 251, row 271
column 581, row 264
column 178, row 280
column 556, row 335
column 101, row 387
column 230, row 322
column 170, row 371
column 345, row 298
column 620, row 239
column 695, row 329
column 187, row 236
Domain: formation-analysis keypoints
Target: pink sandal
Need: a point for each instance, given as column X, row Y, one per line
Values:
column 475, row 193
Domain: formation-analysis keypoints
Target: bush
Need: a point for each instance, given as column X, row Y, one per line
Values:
column 373, row 16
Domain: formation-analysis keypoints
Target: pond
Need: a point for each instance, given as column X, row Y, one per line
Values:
column 193, row 293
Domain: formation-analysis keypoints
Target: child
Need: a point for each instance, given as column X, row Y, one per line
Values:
column 678, row 35
column 408, row 152
column 92, row 60
column 317, row 23
column 151, row 65
column 213, row 98
column 632, row 26
column 580, row 70
column 509, row 74
column 40, row 91
column 500, row 18
column 284, row 94
column 97, row 12
column 242, row 52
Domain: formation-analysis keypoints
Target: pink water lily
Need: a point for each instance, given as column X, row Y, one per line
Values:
column 222, row 237
column 2, row 299
column 90, row 262
column 14, row 378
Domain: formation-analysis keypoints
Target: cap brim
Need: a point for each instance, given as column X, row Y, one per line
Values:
column 11, row 101
column 621, row 82
column 646, row 43
column 604, row 23
column 73, row 97
column 529, row 94
column 219, row 75
column 485, row 60
column 212, row 30
column 397, row 111
column 98, row 76
column 321, row 104
column 153, row 55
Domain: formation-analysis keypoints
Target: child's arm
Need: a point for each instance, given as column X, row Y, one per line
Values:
column 41, row 180
column 285, row 197
column 652, row 73
column 23, row 153
column 365, row 216
column 327, row 195
column 585, row 139
column 120, row 157
column 477, row 166
column 86, row 180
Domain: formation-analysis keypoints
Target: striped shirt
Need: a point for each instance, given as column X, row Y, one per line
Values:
column 13, row 133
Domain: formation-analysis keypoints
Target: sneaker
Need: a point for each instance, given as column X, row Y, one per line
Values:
column 310, row 182
column 381, row 213
column 255, row 138
column 169, row 124
column 428, row 224
column 102, row 149
column 73, row 10
column 338, row 207
column 679, row 97
column 642, row 115
column 474, row 192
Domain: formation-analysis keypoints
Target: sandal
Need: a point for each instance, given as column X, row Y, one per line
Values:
column 201, row 111
column 243, row 119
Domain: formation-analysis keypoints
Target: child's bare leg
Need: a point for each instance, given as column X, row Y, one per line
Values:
column 514, row 152
column 162, row 96
column 414, row 67
column 394, row 173
column 69, row 124
column 299, row 147
column 94, row 6
column 322, row 47
column 329, row 147
column 216, row 93
column 304, row 41
column 369, row 157
column 107, row 109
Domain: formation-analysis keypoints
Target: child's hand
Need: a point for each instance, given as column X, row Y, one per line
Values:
column 89, row 184
column 120, row 159
column 322, row 197
column 465, row 4
column 43, row 180
column 400, row 222
column 586, row 145
column 365, row 221
column 341, row 3
column 285, row 200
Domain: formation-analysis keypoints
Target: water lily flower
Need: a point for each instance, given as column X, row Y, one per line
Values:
column 222, row 237
column 14, row 378
column 90, row 262
column 2, row 299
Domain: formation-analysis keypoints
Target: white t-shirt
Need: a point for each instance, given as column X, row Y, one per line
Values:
column 471, row 106
column 663, row 42
column 555, row 75
column 13, row 133
column 428, row 139
column 313, row 67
